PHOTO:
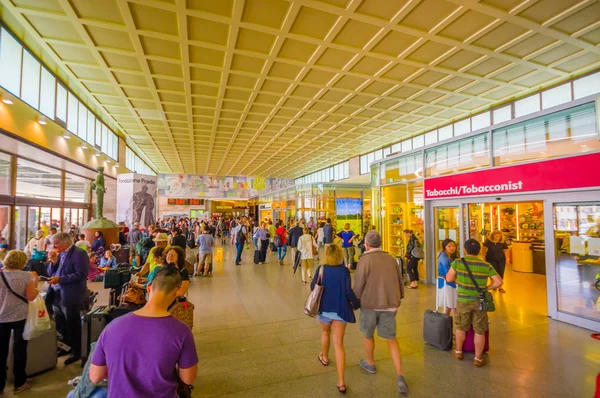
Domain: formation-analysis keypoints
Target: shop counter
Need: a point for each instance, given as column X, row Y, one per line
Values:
column 522, row 256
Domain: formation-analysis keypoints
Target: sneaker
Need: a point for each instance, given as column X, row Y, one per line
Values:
column 24, row 387
column 280, row 262
column 402, row 386
column 480, row 362
column 369, row 368
column 457, row 355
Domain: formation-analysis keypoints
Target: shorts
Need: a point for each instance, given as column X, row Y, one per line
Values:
column 384, row 321
column 327, row 317
column 132, row 250
column 467, row 314
column 205, row 258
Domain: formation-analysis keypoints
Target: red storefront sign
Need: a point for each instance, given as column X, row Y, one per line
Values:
column 567, row 173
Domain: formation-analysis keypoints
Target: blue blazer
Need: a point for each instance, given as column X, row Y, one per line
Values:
column 338, row 296
column 73, row 276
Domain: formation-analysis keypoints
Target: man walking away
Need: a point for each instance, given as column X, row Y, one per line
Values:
column 295, row 233
column 164, row 352
column 379, row 287
column 239, row 236
column 468, row 310
column 205, row 243
column 328, row 233
column 134, row 236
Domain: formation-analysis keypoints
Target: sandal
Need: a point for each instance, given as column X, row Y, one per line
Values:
column 502, row 290
column 323, row 361
column 340, row 389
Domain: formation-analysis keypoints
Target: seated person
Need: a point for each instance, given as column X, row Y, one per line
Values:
column 95, row 274
column 82, row 243
column 147, row 369
column 159, row 259
column 174, row 255
column 108, row 261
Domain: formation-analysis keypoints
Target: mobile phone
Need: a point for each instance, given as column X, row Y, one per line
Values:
column 43, row 278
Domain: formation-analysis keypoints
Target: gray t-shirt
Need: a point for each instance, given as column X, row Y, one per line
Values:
column 13, row 309
column 205, row 242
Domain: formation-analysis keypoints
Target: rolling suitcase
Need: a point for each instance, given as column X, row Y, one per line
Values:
column 122, row 255
column 256, row 256
column 437, row 329
column 94, row 323
column 469, row 345
column 41, row 353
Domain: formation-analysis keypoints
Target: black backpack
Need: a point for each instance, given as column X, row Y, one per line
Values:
column 240, row 237
column 190, row 240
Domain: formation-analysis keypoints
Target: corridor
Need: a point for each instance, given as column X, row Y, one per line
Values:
column 253, row 340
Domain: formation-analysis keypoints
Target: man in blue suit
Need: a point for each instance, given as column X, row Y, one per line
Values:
column 68, row 270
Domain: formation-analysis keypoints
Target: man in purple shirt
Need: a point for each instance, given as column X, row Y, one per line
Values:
column 164, row 347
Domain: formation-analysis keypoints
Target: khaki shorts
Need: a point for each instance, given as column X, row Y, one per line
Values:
column 383, row 321
column 205, row 258
column 467, row 314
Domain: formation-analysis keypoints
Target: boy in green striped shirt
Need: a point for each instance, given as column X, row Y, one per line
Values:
column 467, row 307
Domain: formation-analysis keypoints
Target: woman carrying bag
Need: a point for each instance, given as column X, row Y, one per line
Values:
column 336, row 308
column 414, row 253
column 16, row 285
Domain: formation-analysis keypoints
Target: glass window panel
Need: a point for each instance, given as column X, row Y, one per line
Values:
column 466, row 154
column 418, row 141
column 21, row 226
column 30, row 86
column 370, row 158
column 556, row 96
column 4, row 174
column 37, row 181
column 571, row 131
column 387, row 151
column 445, row 133
column 585, row 86
column 480, row 121
column 346, row 169
column 364, row 168
column 73, row 110
column 502, row 114
column 527, row 105
column 10, row 63
column 377, row 154
column 4, row 218
column 397, row 147
column 47, row 95
column 91, row 125
column 462, row 127
column 406, row 145
column 402, row 169
column 82, row 125
column 115, row 153
column 105, row 139
column 61, row 102
column 431, row 137
column 98, row 133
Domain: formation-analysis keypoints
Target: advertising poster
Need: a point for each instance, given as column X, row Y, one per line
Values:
column 136, row 199
column 349, row 211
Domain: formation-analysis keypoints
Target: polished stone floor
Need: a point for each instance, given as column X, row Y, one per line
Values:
column 253, row 340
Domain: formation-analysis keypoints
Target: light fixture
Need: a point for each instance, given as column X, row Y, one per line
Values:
column 97, row 154
column 41, row 119
column 107, row 161
column 66, row 136
column 6, row 99
column 83, row 145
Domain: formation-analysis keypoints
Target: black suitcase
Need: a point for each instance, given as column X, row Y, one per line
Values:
column 114, row 278
column 122, row 255
column 256, row 256
column 37, row 266
column 94, row 323
column 437, row 329
column 263, row 256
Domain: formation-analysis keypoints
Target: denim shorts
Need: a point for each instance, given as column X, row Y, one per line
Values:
column 327, row 317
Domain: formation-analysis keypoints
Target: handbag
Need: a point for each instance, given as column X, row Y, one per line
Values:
column 313, row 303
column 315, row 252
column 183, row 311
column 486, row 300
column 133, row 295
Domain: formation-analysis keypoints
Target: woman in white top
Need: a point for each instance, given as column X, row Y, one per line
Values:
column 320, row 236
column 305, row 246
column 36, row 242
column 13, row 314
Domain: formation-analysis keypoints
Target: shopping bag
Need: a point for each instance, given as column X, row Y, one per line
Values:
column 38, row 320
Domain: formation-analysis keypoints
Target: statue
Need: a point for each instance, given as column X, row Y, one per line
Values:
column 98, row 186
column 141, row 200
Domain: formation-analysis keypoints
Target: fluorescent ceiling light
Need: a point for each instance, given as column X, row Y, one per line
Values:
column 41, row 119
column 83, row 145
column 6, row 99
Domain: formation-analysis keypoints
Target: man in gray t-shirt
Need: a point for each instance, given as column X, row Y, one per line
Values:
column 205, row 243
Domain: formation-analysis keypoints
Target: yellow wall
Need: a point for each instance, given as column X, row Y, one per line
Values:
column 21, row 120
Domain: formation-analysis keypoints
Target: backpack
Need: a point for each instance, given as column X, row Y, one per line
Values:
column 143, row 248
column 277, row 240
column 417, row 251
column 240, row 237
column 190, row 240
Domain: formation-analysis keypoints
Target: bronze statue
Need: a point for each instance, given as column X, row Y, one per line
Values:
column 98, row 186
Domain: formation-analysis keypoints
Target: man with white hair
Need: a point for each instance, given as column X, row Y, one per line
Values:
column 379, row 286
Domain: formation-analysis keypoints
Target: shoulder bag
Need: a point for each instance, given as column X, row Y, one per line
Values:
column 183, row 311
column 486, row 300
column 313, row 303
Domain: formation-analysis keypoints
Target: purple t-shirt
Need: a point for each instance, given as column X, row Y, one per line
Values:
column 141, row 353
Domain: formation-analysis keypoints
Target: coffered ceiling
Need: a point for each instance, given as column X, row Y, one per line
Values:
column 284, row 88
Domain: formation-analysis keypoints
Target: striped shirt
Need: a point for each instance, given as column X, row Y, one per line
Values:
column 481, row 272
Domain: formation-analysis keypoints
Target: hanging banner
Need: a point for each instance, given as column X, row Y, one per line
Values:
column 136, row 199
column 566, row 173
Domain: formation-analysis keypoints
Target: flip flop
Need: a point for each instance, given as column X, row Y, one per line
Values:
column 323, row 362
column 340, row 389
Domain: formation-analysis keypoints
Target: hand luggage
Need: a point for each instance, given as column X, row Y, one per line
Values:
column 37, row 266
column 90, row 300
column 41, row 353
column 94, row 323
column 256, row 256
column 262, row 256
column 437, row 329
column 122, row 255
column 273, row 247
column 469, row 344
column 114, row 278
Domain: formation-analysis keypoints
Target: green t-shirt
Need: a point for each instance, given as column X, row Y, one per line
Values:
column 481, row 272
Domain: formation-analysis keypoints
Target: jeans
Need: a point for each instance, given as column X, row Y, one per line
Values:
column 281, row 251
column 19, row 352
column 413, row 269
column 239, row 247
column 255, row 241
column 68, row 324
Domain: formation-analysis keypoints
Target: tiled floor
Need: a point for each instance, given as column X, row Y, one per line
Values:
column 254, row 341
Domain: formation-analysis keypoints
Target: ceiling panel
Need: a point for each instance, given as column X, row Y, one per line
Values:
column 268, row 86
